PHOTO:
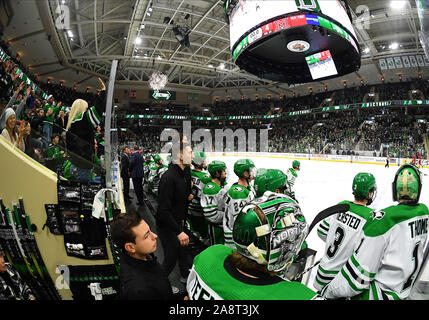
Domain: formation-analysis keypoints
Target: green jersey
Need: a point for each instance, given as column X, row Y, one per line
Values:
column 199, row 180
column 53, row 151
column 146, row 169
column 235, row 200
column 213, row 204
column 214, row 277
column 155, row 174
column 196, row 220
column 341, row 232
column 51, row 118
column 386, row 259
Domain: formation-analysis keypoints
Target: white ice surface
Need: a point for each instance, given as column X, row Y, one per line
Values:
column 321, row 184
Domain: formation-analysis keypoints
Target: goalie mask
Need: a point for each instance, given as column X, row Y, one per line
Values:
column 407, row 184
column 270, row 232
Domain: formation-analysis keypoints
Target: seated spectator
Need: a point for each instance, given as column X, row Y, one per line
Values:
column 142, row 277
column 9, row 132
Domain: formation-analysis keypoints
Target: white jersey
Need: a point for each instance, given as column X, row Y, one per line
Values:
column 291, row 176
column 235, row 199
column 341, row 231
column 213, row 203
column 386, row 260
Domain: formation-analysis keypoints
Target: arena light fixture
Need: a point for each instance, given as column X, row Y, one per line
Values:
column 398, row 4
column 394, row 46
column 138, row 40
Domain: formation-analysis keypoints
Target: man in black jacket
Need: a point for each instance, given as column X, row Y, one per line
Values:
column 173, row 194
column 136, row 170
column 125, row 172
column 142, row 277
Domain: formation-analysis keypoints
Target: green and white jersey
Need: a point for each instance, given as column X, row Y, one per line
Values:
column 214, row 277
column 291, row 176
column 213, row 204
column 341, row 232
column 154, row 177
column 199, row 179
column 387, row 258
column 146, row 169
column 235, row 200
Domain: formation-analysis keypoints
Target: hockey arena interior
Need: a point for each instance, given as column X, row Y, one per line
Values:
column 214, row 150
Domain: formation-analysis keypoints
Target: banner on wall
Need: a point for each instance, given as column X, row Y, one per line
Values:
column 133, row 94
column 420, row 61
column 383, row 64
column 413, row 61
column 390, row 63
column 398, row 63
column 406, row 61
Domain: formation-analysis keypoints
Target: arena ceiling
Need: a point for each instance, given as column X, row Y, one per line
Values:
column 134, row 32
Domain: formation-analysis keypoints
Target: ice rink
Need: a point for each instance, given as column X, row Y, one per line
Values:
column 321, row 184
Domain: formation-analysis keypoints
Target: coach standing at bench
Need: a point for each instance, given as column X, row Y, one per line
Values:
column 173, row 194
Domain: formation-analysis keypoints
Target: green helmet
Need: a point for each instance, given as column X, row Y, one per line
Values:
column 148, row 156
column 199, row 158
column 269, row 180
column 157, row 158
column 270, row 231
column 407, row 184
column 216, row 166
column 243, row 165
column 296, row 164
column 363, row 184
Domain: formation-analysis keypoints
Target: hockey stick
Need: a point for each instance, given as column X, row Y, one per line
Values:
column 35, row 254
column 320, row 217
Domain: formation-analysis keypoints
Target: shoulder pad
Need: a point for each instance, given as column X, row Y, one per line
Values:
column 211, row 188
column 238, row 192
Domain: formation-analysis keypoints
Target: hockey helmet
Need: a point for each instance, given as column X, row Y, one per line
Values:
column 216, row 166
column 363, row 184
column 407, row 184
column 269, row 180
column 243, row 165
column 270, row 232
column 199, row 158
column 157, row 158
column 296, row 164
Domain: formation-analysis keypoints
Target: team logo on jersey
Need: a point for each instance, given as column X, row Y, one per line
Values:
column 210, row 186
column 377, row 215
column 238, row 189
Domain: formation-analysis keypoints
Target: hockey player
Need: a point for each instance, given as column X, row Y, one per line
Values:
column 238, row 195
column 213, row 201
column 146, row 166
column 343, row 229
column 291, row 175
column 387, row 258
column 267, row 235
column 155, row 172
column 200, row 177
